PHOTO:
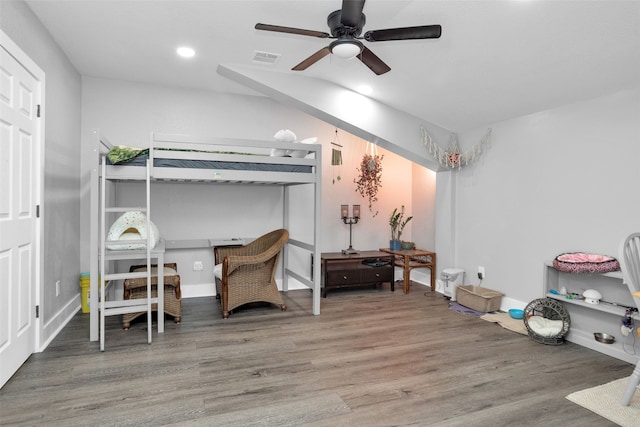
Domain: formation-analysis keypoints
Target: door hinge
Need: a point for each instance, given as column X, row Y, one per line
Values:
column 37, row 211
column 38, row 111
column 37, row 311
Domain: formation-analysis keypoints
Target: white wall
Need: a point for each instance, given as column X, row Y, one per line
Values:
column 566, row 179
column 61, row 209
column 127, row 112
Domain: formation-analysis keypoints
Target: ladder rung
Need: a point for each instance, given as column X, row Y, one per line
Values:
column 124, row 209
column 122, row 276
column 112, row 308
column 126, row 242
column 114, row 311
column 129, row 302
column 120, row 255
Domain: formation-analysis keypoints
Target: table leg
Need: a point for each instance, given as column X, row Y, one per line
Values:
column 433, row 272
column 407, row 274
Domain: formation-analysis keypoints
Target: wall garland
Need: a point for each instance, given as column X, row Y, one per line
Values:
column 451, row 157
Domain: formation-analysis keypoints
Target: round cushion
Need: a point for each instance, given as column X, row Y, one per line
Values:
column 132, row 225
column 580, row 262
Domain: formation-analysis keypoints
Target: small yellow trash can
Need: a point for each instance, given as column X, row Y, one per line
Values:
column 85, row 284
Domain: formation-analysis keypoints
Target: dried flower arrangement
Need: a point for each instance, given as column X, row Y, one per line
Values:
column 369, row 178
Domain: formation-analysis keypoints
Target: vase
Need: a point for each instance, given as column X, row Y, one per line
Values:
column 394, row 245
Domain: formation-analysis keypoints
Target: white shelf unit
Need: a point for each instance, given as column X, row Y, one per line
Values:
column 589, row 318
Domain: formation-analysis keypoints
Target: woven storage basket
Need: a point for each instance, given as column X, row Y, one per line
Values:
column 137, row 288
column 549, row 309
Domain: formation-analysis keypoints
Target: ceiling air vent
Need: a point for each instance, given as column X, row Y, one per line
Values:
column 265, row 57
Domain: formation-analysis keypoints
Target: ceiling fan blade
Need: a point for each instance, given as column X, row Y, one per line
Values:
column 374, row 63
column 351, row 12
column 291, row 30
column 312, row 59
column 407, row 33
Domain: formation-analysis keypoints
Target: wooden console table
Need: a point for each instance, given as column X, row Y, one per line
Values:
column 346, row 270
column 414, row 258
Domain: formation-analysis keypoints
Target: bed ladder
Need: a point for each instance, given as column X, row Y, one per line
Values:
column 108, row 258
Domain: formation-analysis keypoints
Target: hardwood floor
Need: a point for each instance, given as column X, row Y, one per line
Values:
column 372, row 358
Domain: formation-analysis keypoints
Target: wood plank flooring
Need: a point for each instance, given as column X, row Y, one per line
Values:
column 372, row 358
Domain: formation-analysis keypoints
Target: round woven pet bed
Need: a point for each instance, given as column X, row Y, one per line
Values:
column 547, row 321
column 580, row 262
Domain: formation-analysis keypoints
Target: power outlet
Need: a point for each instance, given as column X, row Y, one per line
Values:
column 481, row 272
column 197, row 266
column 57, row 287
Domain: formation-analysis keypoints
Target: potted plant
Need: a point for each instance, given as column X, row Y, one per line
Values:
column 369, row 178
column 397, row 221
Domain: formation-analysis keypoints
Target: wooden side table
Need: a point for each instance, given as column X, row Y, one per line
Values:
column 414, row 258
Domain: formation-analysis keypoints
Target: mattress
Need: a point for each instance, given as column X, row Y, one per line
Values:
column 141, row 160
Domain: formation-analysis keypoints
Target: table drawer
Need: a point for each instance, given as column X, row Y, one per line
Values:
column 343, row 277
column 371, row 275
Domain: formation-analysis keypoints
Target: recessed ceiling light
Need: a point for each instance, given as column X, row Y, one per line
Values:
column 186, row 52
column 365, row 89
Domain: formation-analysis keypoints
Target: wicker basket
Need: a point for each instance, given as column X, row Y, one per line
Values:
column 137, row 288
column 549, row 309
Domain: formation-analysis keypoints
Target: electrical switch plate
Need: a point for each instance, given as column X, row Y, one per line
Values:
column 57, row 287
column 197, row 266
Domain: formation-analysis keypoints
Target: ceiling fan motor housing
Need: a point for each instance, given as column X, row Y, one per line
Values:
column 334, row 21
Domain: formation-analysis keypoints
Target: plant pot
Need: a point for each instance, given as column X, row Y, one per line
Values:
column 405, row 246
column 395, row 245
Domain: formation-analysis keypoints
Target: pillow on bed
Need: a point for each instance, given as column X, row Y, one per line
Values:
column 121, row 154
column 285, row 135
column 132, row 225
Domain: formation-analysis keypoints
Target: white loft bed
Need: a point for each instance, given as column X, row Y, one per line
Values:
column 216, row 161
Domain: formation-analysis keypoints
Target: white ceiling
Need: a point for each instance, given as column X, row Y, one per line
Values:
column 495, row 60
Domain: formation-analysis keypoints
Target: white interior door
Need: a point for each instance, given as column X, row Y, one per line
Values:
column 20, row 172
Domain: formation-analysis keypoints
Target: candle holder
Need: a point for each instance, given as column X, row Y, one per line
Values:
column 350, row 220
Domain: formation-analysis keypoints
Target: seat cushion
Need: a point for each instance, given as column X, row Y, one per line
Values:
column 170, row 275
column 154, row 271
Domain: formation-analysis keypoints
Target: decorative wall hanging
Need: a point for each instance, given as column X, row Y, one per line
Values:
column 336, row 157
column 370, row 175
column 452, row 157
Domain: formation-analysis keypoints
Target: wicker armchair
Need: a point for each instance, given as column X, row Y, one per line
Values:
column 245, row 274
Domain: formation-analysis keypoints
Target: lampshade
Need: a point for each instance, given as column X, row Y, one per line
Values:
column 346, row 49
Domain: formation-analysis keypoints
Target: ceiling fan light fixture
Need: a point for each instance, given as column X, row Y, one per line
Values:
column 346, row 49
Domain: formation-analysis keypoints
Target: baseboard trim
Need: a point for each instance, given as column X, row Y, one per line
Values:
column 52, row 328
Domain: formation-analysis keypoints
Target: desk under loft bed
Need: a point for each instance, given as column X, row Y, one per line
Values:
column 216, row 161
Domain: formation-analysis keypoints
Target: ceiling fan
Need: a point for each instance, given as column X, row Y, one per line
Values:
column 346, row 26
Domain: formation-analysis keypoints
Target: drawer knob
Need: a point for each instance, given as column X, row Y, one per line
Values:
column 377, row 274
column 344, row 277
